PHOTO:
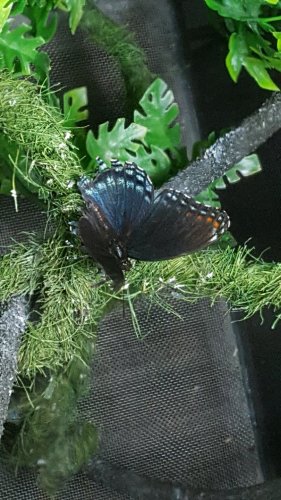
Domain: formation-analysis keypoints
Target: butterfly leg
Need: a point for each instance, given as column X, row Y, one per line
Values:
column 114, row 286
column 101, row 282
column 73, row 227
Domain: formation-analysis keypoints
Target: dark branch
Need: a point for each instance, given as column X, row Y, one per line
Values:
column 230, row 149
column 143, row 488
column 13, row 317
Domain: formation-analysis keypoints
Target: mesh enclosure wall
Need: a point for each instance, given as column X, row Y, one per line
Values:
column 171, row 406
column 17, row 227
column 174, row 405
column 78, row 62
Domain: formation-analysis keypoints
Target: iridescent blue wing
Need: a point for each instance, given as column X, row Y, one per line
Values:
column 123, row 194
column 117, row 201
column 176, row 225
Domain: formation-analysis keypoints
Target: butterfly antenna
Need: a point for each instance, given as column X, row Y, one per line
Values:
column 123, row 302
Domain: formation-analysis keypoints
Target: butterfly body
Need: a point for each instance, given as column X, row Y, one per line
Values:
column 123, row 218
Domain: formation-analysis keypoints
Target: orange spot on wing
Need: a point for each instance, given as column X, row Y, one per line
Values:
column 216, row 224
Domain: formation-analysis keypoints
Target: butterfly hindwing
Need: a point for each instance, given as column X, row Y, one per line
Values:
column 176, row 225
column 99, row 240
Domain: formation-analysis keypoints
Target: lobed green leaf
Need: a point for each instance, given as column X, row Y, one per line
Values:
column 158, row 114
column 119, row 142
column 75, row 103
column 256, row 68
column 18, row 49
column 5, row 9
column 75, row 8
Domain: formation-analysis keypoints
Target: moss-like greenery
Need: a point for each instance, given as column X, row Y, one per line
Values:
column 60, row 281
column 68, row 304
column 37, row 145
column 246, row 282
column 43, row 428
column 120, row 43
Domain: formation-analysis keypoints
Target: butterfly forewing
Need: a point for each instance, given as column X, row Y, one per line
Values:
column 117, row 202
column 124, row 194
column 176, row 225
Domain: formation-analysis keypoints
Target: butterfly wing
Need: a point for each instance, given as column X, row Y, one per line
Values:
column 176, row 225
column 124, row 195
column 99, row 239
column 117, row 202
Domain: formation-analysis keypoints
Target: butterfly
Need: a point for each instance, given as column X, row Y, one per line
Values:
column 125, row 218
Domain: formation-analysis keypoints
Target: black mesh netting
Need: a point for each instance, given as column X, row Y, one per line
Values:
column 172, row 406
column 18, row 226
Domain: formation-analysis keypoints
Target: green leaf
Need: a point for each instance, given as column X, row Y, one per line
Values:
column 256, row 68
column 241, row 46
column 236, row 9
column 42, row 66
column 154, row 161
column 5, row 9
column 248, row 166
column 43, row 24
column 199, row 147
column 238, row 50
column 208, row 197
column 119, row 142
column 18, row 7
column 75, row 7
column 18, row 49
column 272, row 62
column 277, row 35
column 75, row 102
column 158, row 114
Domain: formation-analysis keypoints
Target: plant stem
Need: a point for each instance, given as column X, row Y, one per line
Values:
column 266, row 19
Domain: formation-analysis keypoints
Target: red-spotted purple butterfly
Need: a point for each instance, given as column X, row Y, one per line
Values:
column 123, row 218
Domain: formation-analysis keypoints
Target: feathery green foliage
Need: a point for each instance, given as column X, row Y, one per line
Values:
column 38, row 146
column 119, row 43
column 69, row 305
